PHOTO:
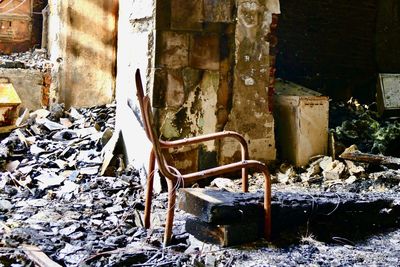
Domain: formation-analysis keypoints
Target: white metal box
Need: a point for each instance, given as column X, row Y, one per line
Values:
column 388, row 94
column 301, row 117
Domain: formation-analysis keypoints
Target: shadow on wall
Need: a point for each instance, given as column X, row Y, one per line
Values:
column 89, row 63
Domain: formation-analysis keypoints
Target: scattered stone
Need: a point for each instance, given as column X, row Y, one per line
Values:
column 351, row 179
column 224, row 183
column 5, row 205
column 334, row 170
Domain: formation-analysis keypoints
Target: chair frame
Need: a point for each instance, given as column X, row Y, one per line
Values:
column 173, row 177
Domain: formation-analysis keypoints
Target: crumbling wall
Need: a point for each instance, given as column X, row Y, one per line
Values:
column 82, row 44
column 253, row 80
column 15, row 26
column 20, row 25
column 193, row 77
column 214, row 72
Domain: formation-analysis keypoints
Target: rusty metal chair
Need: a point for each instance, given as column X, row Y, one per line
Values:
column 174, row 178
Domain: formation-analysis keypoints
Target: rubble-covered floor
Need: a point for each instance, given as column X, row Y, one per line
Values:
column 35, row 59
column 53, row 196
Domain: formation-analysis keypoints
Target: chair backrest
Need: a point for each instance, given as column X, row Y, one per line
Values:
column 140, row 96
column 147, row 117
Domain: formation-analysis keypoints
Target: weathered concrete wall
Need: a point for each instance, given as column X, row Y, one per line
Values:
column 213, row 71
column 193, row 78
column 30, row 85
column 82, row 39
column 195, row 62
column 136, row 48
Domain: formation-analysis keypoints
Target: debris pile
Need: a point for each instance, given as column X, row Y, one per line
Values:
column 53, row 146
column 353, row 123
column 327, row 174
column 58, row 197
column 36, row 59
column 52, row 196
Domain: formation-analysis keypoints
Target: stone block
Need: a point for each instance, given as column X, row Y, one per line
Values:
column 186, row 15
column 185, row 160
column 175, row 94
column 218, row 10
column 204, row 51
column 160, row 85
column 293, row 214
column 167, row 124
column 221, row 207
column 273, row 6
column 224, row 235
column 28, row 83
column 173, row 49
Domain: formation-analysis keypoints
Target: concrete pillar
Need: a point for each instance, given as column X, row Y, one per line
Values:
column 253, row 82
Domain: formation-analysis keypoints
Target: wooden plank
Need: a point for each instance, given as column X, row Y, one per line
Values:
column 38, row 257
column 370, row 158
column 34, row 253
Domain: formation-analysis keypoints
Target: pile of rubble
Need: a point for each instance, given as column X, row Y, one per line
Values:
column 66, row 197
column 35, row 59
column 356, row 129
column 53, row 197
column 326, row 173
column 52, row 146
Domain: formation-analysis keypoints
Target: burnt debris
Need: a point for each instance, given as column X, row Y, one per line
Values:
column 52, row 196
column 34, row 59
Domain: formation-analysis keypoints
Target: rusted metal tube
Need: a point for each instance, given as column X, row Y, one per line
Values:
column 149, row 190
column 215, row 136
column 170, row 211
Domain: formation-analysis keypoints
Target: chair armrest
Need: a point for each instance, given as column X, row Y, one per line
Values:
column 209, row 137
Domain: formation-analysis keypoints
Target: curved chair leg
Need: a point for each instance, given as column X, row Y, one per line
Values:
column 267, row 205
column 149, row 190
column 245, row 180
column 170, row 211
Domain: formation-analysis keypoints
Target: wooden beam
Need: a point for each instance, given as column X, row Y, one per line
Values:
column 370, row 158
column 36, row 255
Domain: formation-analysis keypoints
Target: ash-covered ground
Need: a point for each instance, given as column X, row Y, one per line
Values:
column 54, row 196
